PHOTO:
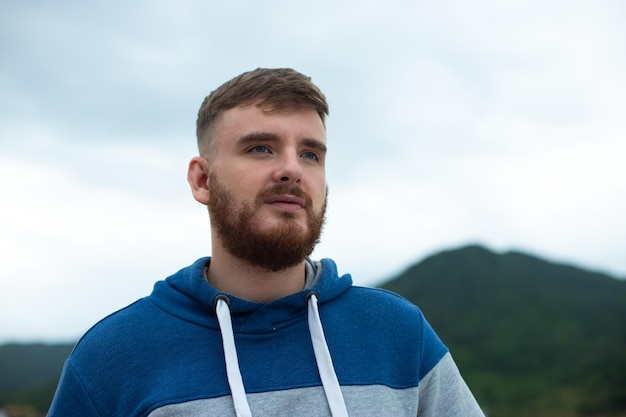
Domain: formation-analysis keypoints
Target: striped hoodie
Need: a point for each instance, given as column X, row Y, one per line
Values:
column 333, row 349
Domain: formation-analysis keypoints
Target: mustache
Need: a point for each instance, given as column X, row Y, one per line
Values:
column 284, row 189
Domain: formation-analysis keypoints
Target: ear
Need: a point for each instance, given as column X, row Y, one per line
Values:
column 198, row 179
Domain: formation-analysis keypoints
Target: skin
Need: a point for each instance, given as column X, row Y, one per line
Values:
column 254, row 149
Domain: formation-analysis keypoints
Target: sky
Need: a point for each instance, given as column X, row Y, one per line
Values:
column 451, row 123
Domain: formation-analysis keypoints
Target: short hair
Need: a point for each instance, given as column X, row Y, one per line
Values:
column 273, row 88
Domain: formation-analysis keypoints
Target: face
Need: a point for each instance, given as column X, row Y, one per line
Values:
column 267, row 184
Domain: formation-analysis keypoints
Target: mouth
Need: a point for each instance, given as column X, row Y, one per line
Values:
column 286, row 202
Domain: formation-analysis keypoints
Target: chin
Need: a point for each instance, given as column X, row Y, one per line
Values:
column 282, row 217
column 286, row 223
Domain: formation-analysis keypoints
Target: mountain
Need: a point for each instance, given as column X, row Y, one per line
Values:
column 531, row 337
column 29, row 373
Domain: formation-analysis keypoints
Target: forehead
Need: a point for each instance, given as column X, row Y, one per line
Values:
column 288, row 123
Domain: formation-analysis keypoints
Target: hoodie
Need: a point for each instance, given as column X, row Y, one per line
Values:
column 333, row 349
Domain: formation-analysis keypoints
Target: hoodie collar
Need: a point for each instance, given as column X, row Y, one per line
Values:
column 188, row 295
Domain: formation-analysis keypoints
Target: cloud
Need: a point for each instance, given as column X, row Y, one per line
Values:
column 451, row 122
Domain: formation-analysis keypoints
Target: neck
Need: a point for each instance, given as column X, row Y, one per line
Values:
column 230, row 275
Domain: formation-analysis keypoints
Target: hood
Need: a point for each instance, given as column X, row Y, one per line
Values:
column 188, row 295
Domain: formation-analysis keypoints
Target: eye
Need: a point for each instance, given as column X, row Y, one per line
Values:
column 259, row 149
column 310, row 155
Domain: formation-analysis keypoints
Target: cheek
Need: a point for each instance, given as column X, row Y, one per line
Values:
column 238, row 180
column 320, row 198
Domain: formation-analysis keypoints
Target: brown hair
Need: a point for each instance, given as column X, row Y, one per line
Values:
column 275, row 89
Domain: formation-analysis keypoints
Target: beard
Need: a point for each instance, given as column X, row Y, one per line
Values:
column 283, row 246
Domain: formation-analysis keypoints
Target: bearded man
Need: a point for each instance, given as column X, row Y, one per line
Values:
column 258, row 328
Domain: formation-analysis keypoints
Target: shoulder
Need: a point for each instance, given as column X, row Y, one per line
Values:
column 376, row 310
column 127, row 328
column 147, row 319
column 383, row 302
column 390, row 331
column 108, row 326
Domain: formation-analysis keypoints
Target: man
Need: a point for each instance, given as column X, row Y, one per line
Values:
column 259, row 329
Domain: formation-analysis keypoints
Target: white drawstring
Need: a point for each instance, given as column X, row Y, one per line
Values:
column 242, row 408
column 325, row 366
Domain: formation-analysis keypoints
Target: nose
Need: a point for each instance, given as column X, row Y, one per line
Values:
column 289, row 169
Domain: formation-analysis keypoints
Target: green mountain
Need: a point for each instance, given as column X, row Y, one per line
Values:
column 29, row 373
column 532, row 338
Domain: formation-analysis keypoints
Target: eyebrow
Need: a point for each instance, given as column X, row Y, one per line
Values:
column 273, row 138
column 257, row 137
column 315, row 144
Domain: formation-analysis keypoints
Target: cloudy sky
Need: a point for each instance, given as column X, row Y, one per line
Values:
column 452, row 122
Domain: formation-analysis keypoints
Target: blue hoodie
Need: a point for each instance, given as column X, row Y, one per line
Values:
column 331, row 349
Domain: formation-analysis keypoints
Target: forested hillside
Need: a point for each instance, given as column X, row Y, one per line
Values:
column 29, row 375
column 532, row 338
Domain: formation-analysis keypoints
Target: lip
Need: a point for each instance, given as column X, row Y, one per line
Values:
column 286, row 201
